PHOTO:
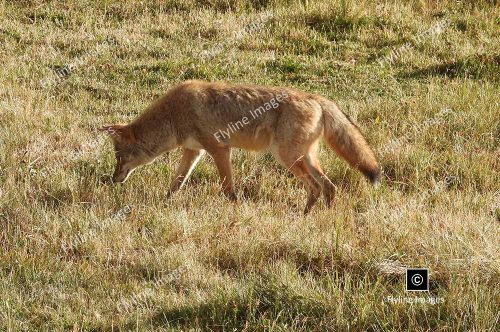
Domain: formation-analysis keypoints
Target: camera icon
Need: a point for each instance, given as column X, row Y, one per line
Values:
column 417, row 280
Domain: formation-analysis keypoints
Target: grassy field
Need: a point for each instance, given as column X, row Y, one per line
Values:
column 420, row 79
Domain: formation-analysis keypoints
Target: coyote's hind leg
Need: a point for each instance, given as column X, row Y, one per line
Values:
column 327, row 185
column 298, row 166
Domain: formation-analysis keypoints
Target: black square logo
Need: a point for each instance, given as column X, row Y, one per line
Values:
column 417, row 280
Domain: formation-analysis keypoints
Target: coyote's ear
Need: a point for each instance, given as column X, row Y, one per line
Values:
column 120, row 133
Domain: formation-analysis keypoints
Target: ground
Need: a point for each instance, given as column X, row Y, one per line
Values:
column 419, row 78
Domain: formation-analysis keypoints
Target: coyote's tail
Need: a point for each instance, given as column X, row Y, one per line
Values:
column 344, row 137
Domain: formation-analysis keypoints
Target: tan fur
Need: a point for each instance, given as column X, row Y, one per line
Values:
column 190, row 114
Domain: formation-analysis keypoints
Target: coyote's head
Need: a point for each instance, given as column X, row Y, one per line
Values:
column 128, row 151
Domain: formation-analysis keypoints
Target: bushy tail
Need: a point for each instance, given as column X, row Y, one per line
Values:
column 344, row 137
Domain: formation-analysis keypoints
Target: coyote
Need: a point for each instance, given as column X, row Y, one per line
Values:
column 202, row 116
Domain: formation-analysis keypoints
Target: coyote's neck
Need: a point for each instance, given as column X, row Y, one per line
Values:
column 154, row 134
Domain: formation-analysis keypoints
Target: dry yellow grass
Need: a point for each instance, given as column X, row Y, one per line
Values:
column 74, row 257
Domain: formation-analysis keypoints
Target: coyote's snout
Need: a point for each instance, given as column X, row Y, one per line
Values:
column 215, row 117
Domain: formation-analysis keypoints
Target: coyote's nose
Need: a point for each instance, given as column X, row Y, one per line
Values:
column 121, row 176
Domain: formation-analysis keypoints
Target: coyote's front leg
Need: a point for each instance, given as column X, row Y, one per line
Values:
column 188, row 162
column 222, row 159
